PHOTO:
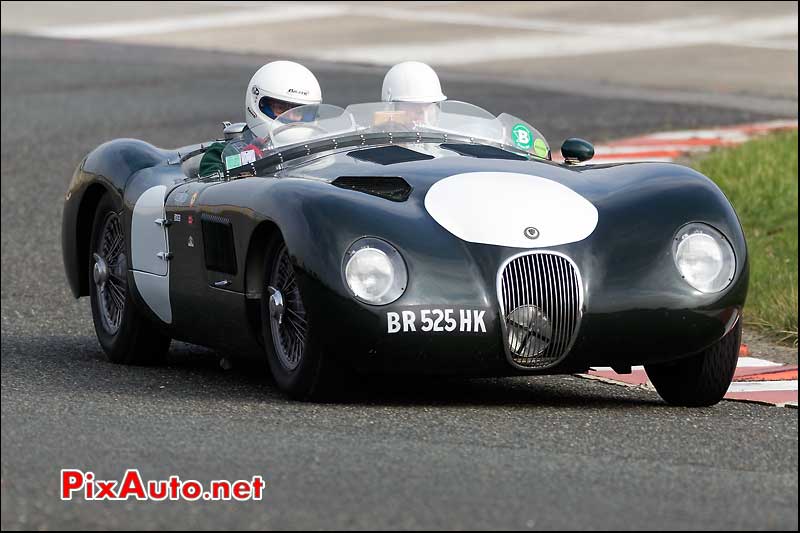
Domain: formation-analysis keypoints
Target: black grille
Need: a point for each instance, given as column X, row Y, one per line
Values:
column 218, row 245
column 541, row 298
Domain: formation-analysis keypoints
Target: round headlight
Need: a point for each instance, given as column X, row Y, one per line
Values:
column 375, row 271
column 704, row 257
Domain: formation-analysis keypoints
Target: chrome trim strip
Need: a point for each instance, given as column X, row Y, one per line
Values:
column 570, row 297
column 563, row 309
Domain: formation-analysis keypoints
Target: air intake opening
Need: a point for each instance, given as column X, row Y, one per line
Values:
column 391, row 188
column 218, row 244
column 541, row 298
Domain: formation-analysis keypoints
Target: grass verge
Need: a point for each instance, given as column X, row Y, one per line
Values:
column 760, row 179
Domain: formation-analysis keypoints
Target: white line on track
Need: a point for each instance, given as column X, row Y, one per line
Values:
column 771, row 44
column 595, row 39
column 186, row 23
column 609, row 369
column 634, row 149
column 763, row 386
column 753, row 362
column 537, row 24
column 665, row 146
column 719, row 133
column 556, row 38
column 743, row 362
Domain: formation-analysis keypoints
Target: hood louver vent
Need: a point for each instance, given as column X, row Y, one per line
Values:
column 395, row 189
column 388, row 155
column 483, row 151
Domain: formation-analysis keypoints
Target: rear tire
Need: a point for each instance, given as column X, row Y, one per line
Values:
column 127, row 337
column 702, row 379
column 294, row 352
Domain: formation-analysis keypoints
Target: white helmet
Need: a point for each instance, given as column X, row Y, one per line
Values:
column 412, row 81
column 277, row 87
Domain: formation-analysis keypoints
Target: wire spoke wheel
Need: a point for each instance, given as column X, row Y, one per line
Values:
column 108, row 274
column 288, row 320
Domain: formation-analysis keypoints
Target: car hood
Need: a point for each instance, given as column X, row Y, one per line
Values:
column 524, row 203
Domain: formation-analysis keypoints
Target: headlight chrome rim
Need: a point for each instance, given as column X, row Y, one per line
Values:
column 697, row 242
column 371, row 252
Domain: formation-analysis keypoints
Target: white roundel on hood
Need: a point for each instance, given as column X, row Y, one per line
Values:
column 510, row 209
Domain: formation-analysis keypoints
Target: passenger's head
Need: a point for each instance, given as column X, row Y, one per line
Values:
column 412, row 82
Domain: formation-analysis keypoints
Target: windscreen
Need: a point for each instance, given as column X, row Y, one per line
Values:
column 448, row 120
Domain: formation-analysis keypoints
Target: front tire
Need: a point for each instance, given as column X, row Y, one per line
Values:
column 702, row 379
column 126, row 336
column 294, row 352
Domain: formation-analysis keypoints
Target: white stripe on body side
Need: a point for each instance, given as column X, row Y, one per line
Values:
column 148, row 239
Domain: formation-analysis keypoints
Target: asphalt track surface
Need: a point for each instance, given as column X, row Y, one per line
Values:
column 543, row 453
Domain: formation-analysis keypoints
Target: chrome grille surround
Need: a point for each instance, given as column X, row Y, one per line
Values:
column 541, row 299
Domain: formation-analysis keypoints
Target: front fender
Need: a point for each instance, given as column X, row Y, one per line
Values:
column 105, row 170
column 638, row 307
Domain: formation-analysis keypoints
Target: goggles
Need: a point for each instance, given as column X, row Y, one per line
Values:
column 273, row 108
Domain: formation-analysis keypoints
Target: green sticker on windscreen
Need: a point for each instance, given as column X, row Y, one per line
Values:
column 233, row 161
column 540, row 148
column 522, row 137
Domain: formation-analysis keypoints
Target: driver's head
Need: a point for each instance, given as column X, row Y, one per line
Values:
column 276, row 88
column 412, row 81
